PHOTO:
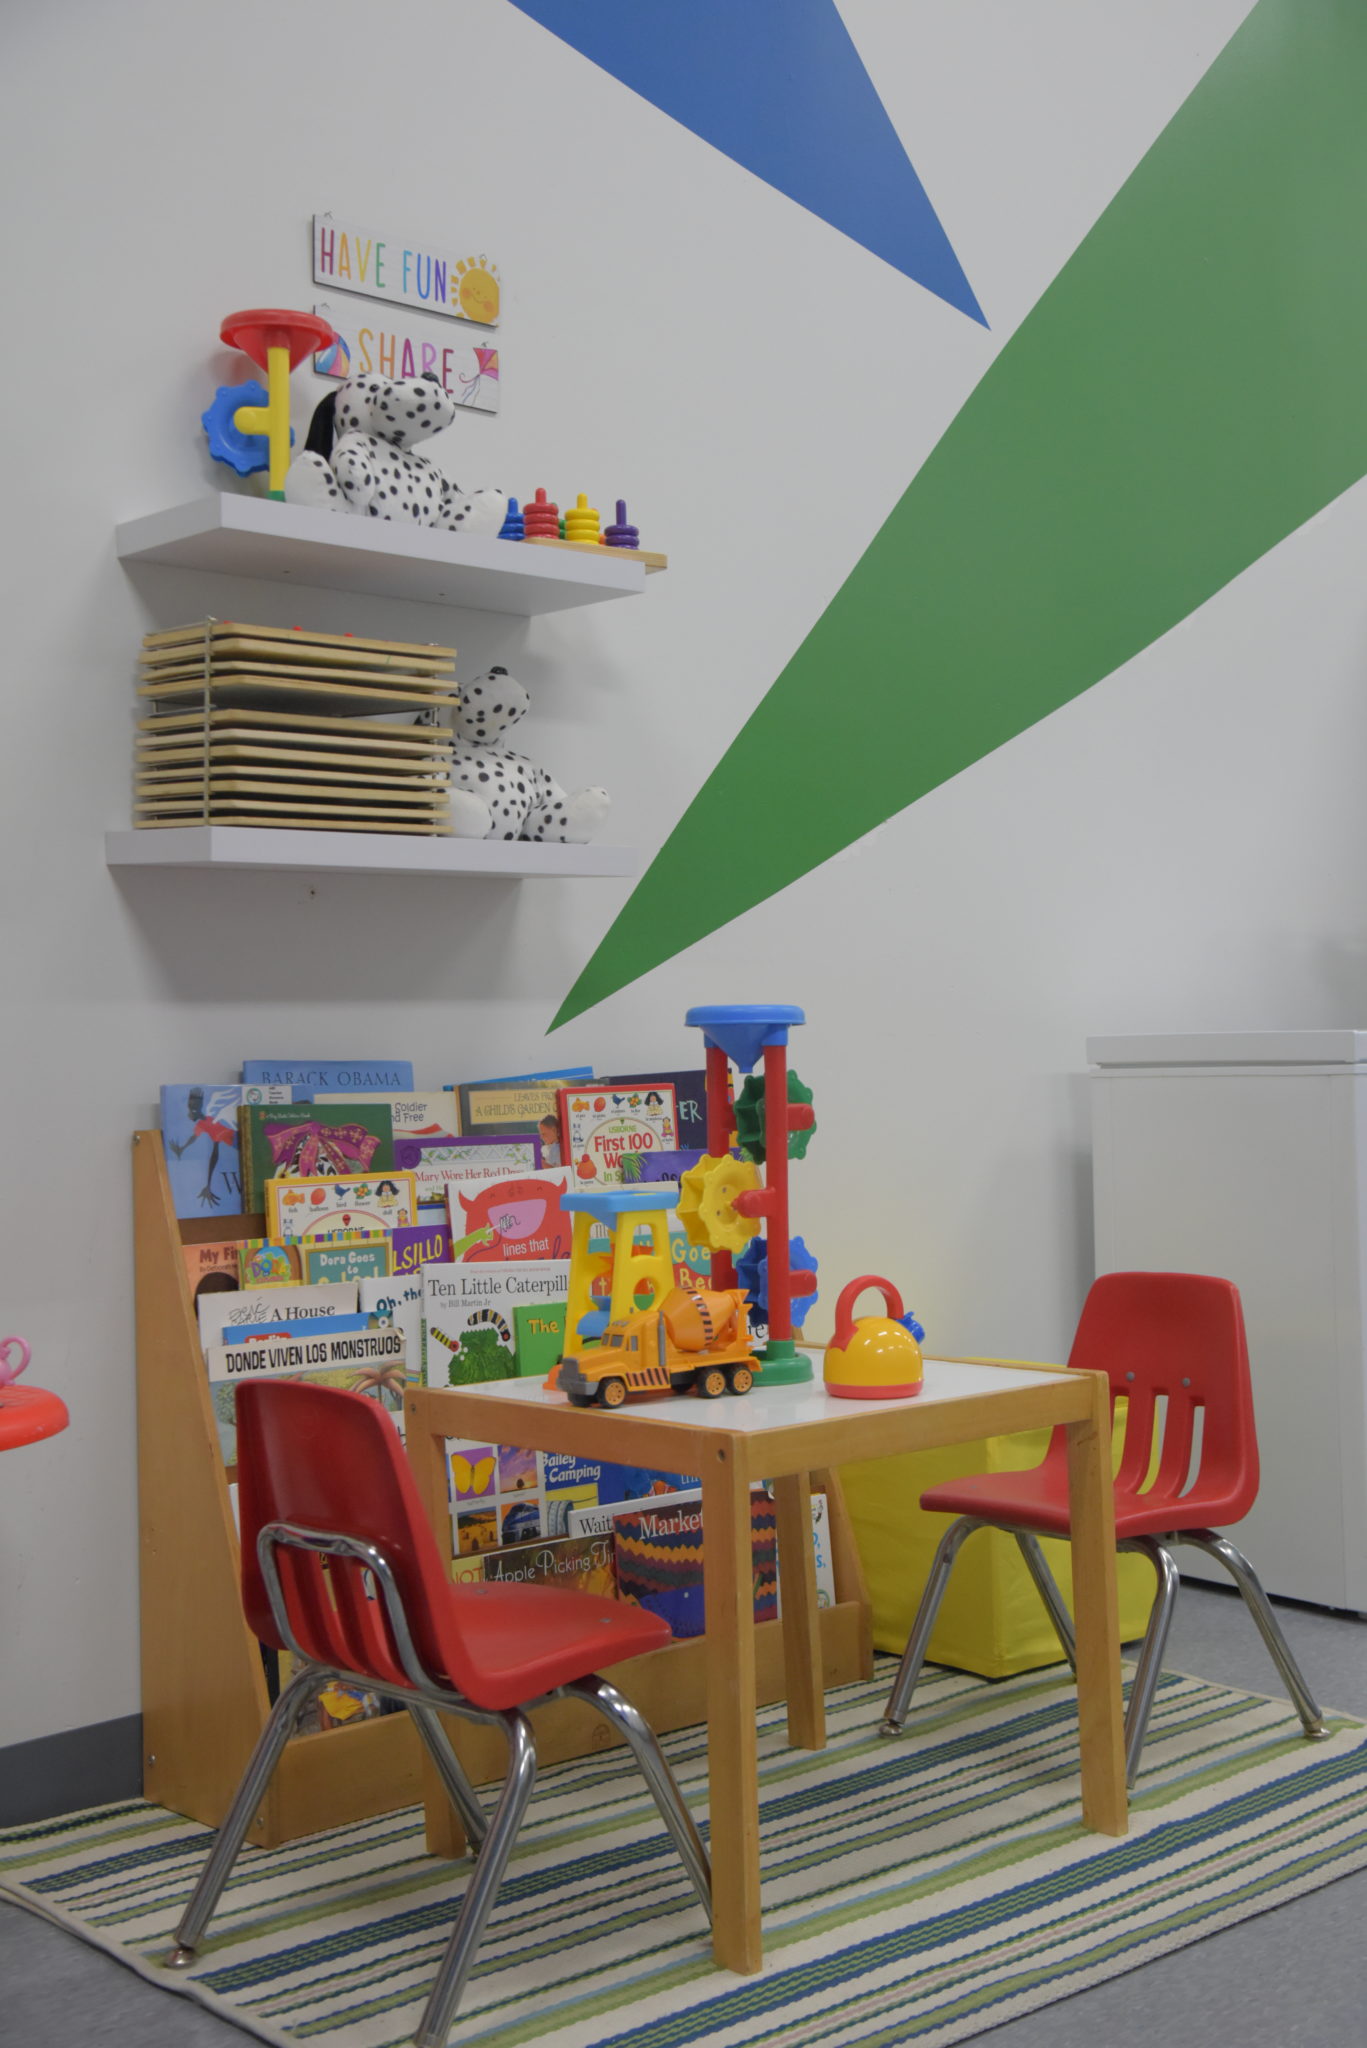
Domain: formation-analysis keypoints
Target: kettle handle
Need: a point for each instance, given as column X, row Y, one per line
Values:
column 844, row 1308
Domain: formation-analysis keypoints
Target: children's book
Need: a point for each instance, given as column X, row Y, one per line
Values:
column 500, row 1492
column 538, row 1337
column 433, row 1113
column 433, row 1161
column 421, row 1244
column 297, row 1328
column 520, row 1217
column 308, row 1140
column 570, row 1485
column 528, row 1108
column 825, row 1558
column 364, row 1258
column 601, row 1521
column 577, row 1564
column 367, row 1361
column 690, row 1099
column 338, row 1211
column 269, row 1262
column 199, row 1132
column 272, row 1262
column 211, row 1268
column 492, row 1486
column 606, row 1129
column 659, row 1557
column 398, row 1300
column 468, row 1316
column 338, row 1077
column 542, row 1074
column 658, row 1166
column 220, row 1314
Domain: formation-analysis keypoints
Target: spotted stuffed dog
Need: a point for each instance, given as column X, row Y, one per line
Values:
column 497, row 794
column 359, row 458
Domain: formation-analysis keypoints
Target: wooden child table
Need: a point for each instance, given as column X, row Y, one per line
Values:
column 784, row 1434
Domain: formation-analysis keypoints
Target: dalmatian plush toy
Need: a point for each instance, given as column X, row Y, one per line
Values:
column 359, row 458
column 497, row 794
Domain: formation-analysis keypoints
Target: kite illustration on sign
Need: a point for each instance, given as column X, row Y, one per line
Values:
column 486, row 365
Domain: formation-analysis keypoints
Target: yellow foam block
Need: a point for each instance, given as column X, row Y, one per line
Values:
column 992, row 1621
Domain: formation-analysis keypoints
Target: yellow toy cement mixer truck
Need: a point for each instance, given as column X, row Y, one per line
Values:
column 693, row 1340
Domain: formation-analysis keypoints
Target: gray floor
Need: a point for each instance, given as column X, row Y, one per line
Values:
column 1294, row 1978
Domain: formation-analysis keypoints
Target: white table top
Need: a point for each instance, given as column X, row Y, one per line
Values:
column 779, row 1407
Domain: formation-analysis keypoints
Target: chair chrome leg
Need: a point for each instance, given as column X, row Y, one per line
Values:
column 914, row 1655
column 1260, row 1607
column 1046, row 1585
column 654, row 1768
column 482, row 1888
column 240, row 1815
column 458, row 1788
column 1149, row 1669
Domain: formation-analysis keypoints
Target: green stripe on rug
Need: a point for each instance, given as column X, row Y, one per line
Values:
column 912, row 1891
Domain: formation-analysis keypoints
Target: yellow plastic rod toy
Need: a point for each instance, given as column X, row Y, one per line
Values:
column 277, row 340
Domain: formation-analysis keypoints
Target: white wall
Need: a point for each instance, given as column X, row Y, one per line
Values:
column 1181, row 847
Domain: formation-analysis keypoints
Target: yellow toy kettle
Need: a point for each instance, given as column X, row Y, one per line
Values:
column 876, row 1358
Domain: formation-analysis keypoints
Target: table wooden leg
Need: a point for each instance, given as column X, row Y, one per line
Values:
column 802, row 1666
column 1101, row 1725
column 732, row 1765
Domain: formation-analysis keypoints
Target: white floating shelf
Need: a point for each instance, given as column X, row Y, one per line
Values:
column 361, row 853
column 239, row 536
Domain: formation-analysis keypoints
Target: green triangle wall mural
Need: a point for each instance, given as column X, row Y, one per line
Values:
column 1190, row 389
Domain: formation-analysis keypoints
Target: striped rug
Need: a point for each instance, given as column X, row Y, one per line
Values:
column 919, row 1891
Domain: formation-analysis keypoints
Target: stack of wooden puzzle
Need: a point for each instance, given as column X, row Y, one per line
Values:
column 255, row 725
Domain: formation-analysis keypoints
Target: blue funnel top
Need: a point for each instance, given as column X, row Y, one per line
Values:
column 605, row 1205
column 742, row 1030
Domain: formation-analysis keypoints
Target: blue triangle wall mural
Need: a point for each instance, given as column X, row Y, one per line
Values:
column 778, row 86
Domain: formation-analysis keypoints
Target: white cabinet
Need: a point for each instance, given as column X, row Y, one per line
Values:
column 1245, row 1154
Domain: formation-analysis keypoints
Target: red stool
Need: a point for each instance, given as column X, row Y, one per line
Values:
column 340, row 1567
column 27, row 1414
column 1171, row 1337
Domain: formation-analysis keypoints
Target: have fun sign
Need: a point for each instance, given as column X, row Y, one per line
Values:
column 462, row 287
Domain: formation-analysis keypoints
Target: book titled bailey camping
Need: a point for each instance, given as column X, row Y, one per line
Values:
column 335, row 1077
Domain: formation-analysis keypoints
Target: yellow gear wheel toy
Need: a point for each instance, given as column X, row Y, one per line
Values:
column 706, row 1204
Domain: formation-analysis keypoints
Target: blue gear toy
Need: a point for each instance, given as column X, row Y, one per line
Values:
column 246, row 453
column 752, row 1272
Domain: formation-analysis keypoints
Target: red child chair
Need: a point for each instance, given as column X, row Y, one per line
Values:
column 1174, row 1337
column 339, row 1566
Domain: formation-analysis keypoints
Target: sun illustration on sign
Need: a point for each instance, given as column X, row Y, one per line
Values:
column 474, row 289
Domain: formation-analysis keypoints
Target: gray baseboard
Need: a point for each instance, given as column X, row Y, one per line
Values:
column 80, row 1767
